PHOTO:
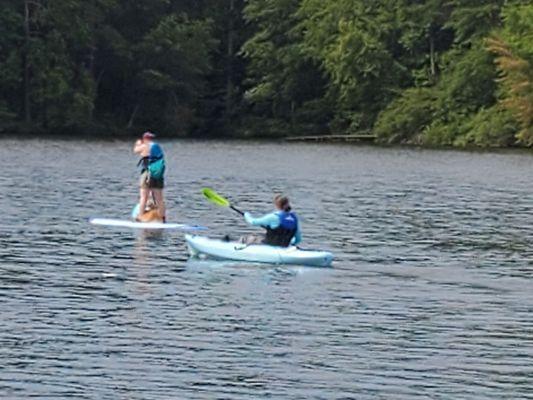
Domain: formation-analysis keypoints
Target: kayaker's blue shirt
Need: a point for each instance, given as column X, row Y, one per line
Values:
column 272, row 221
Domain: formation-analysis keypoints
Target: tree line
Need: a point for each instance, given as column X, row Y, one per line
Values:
column 431, row 72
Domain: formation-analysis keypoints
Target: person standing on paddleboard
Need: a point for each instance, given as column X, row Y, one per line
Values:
column 152, row 179
column 282, row 226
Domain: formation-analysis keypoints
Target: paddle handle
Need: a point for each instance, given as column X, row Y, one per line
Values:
column 236, row 209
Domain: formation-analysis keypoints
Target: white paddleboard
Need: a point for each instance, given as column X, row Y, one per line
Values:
column 144, row 225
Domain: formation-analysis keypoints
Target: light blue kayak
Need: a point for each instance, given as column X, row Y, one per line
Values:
column 201, row 246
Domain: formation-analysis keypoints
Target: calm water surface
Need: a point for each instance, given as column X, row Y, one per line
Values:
column 430, row 296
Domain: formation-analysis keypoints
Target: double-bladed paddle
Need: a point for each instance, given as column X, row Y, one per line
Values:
column 217, row 199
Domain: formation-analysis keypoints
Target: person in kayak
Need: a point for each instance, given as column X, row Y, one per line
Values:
column 152, row 180
column 282, row 226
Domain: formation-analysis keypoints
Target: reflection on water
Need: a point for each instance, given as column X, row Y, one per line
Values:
column 430, row 295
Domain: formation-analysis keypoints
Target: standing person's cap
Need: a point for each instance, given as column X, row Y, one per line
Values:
column 148, row 135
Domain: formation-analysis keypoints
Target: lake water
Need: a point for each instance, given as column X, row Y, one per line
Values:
column 430, row 294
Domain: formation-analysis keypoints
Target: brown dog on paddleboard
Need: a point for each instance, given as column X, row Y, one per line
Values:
column 151, row 214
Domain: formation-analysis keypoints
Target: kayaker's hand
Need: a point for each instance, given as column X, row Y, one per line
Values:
column 248, row 217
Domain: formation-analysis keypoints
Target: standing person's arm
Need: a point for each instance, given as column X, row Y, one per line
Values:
column 141, row 148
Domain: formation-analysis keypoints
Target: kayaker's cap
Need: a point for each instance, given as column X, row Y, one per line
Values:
column 148, row 135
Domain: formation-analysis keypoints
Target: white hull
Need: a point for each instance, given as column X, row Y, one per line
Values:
column 213, row 248
column 143, row 225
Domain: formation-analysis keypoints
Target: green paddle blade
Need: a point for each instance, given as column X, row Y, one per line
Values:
column 215, row 198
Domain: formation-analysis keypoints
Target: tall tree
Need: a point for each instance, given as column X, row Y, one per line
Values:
column 353, row 41
column 12, row 46
column 514, row 49
column 283, row 81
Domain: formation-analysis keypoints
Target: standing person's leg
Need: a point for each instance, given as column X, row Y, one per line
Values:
column 143, row 193
column 160, row 202
column 143, row 199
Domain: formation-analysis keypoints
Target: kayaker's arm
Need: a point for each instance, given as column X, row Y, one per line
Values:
column 297, row 236
column 271, row 220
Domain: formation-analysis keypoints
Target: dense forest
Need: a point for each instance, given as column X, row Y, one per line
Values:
column 430, row 72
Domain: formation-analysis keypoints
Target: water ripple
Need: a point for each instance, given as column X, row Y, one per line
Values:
column 430, row 295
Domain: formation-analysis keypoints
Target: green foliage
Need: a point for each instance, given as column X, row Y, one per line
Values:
column 420, row 72
column 518, row 28
column 472, row 20
column 173, row 60
column 514, row 50
column 468, row 80
column 407, row 116
column 443, row 131
column 11, row 39
column 490, row 127
column 351, row 41
column 282, row 81
column 436, row 115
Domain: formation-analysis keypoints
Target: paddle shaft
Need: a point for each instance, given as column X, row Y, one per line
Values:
column 236, row 209
column 217, row 199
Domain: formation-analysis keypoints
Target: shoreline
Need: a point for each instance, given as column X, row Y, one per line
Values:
column 324, row 140
column 20, row 131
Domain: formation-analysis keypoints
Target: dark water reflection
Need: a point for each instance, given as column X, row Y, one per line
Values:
column 431, row 294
